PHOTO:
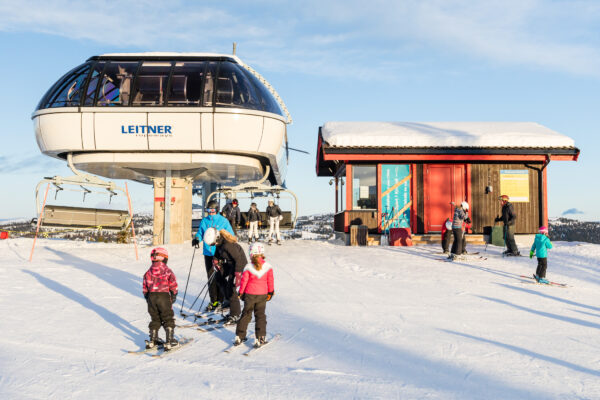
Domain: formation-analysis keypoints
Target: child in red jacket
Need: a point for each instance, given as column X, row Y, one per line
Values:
column 160, row 291
column 256, row 288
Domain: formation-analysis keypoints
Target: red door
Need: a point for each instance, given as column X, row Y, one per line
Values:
column 444, row 184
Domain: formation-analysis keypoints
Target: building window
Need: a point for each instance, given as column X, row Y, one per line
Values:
column 67, row 91
column 151, row 84
column 364, row 187
column 186, row 84
column 234, row 89
column 115, row 89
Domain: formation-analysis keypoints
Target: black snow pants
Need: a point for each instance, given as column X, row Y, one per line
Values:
column 446, row 241
column 256, row 303
column 541, row 268
column 231, row 293
column 213, row 290
column 509, row 239
column 457, row 245
column 161, row 310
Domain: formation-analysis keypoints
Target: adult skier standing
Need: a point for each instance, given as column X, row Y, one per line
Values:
column 256, row 288
column 231, row 211
column 212, row 220
column 160, row 292
column 231, row 259
column 540, row 247
column 275, row 215
column 460, row 216
column 509, row 219
column 253, row 220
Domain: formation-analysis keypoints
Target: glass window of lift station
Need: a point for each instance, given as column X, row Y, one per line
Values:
column 364, row 187
column 90, row 92
column 115, row 89
column 234, row 89
column 268, row 102
column 151, row 84
column 67, row 91
column 186, row 84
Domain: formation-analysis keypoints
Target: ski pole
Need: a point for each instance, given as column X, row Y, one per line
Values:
column 186, row 283
column 202, row 290
column 212, row 277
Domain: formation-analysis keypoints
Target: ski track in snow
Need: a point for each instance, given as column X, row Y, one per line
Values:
column 356, row 322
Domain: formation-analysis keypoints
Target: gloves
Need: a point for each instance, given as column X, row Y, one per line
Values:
column 259, row 223
column 531, row 254
column 242, row 296
column 468, row 220
column 270, row 296
column 247, row 223
column 146, row 295
column 498, row 218
column 195, row 242
column 173, row 297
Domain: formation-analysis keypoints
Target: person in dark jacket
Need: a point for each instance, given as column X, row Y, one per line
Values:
column 275, row 215
column 231, row 211
column 218, row 222
column 160, row 291
column 446, row 235
column 460, row 216
column 509, row 219
column 253, row 221
column 231, row 258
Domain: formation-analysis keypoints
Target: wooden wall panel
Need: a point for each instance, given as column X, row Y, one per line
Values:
column 486, row 207
column 420, row 200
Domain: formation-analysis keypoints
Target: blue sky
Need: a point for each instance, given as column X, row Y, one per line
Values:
column 421, row 60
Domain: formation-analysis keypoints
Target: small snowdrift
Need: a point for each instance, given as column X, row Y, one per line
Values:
column 355, row 323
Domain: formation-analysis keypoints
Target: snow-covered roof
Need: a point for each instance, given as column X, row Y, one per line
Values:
column 443, row 134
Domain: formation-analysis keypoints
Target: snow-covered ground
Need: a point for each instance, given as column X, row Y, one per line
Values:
column 356, row 323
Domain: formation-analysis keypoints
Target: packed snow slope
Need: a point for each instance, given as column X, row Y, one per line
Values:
column 356, row 323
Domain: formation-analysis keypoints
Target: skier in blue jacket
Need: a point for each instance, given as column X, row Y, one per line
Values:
column 213, row 220
column 540, row 248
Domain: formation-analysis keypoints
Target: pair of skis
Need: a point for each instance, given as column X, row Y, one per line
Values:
column 160, row 351
column 253, row 349
column 550, row 283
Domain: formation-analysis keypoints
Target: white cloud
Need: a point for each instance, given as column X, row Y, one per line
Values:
column 330, row 37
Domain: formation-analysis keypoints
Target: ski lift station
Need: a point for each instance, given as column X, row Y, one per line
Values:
column 167, row 119
column 409, row 174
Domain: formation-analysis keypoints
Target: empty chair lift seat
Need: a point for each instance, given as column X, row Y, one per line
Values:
column 79, row 217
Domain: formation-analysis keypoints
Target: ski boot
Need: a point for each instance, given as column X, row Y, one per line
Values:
column 153, row 340
column 170, row 341
column 537, row 278
column 544, row 280
column 279, row 242
column 239, row 340
column 259, row 341
column 212, row 306
column 231, row 320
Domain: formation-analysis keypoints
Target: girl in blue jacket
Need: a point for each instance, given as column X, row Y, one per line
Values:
column 540, row 248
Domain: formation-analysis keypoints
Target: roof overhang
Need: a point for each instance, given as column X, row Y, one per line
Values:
column 329, row 158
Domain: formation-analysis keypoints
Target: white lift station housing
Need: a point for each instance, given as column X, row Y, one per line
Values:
column 168, row 119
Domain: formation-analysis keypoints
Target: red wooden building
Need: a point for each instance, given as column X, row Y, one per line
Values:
column 407, row 174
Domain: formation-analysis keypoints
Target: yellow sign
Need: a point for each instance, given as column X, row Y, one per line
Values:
column 515, row 184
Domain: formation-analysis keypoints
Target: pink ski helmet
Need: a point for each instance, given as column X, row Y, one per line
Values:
column 159, row 254
column 544, row 230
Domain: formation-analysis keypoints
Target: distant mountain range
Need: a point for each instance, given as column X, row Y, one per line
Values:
column 317, row 226
column 571, row 230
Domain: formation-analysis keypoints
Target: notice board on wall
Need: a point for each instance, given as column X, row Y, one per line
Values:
column 515, row 184
column 395, row 196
